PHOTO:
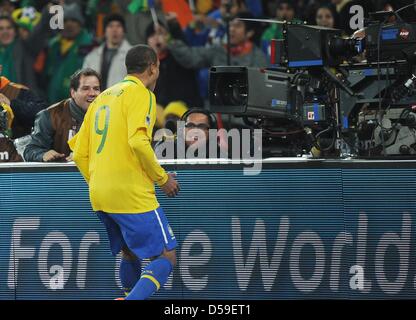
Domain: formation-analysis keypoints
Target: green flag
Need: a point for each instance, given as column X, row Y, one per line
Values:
column 138, row 5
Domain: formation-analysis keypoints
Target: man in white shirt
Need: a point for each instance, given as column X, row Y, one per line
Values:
column 108, row 59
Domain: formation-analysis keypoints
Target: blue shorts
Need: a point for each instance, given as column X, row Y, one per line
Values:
column 145, row 234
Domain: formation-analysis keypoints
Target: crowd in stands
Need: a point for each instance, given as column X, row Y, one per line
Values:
column 39, row 63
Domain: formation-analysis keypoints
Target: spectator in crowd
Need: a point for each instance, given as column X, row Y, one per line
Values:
column 24, row 103
column 60, row 122
column 66, row 53
column 8, row 6
column 176, row 82
column 211, row 29
column 243, row 51
column 8, row 152
column 138, row 17
column 108, row 59
column 326, row 17
column 14, row 56
column 285, row 12
column 26, row 19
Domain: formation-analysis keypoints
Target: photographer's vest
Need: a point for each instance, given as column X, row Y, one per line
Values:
column 64, row 125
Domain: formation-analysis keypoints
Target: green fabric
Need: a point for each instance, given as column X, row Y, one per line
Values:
column 98, row 6
column 275, row 31
column 92, row 6
column 7, row 60
column 60, row 68
column 27, row 3
column 137, row 5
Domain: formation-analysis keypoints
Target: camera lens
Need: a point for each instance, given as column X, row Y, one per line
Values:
column 231, row 90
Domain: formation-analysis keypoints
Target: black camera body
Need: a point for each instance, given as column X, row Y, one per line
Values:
column 250, row 91
column 306, row 46
column 316, row 86
column 391, row 42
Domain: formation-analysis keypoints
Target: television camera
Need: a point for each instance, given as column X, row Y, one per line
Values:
column 318, row 96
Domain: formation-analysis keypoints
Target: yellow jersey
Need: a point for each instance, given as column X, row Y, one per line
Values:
column 113, row 149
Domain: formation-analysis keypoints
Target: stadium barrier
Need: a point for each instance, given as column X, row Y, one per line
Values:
column 300, row 229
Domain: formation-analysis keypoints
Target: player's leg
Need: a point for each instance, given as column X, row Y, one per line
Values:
column 130, row 266
column 149, row 235
column 154, row 276
column 130, row 270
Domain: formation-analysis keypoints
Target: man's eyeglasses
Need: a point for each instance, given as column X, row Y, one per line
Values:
column 202, row 126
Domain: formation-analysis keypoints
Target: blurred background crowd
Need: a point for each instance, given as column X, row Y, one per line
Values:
column 189, row 37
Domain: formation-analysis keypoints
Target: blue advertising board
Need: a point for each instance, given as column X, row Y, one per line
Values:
column 300, row 232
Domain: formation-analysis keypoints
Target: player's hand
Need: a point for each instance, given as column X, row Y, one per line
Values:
column 171, row 187
column 70, row 157
column 52, row 155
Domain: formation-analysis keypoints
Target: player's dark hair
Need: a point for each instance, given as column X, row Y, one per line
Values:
column 87, row 72
column 139, row 58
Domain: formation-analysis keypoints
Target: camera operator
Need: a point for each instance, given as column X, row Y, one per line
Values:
column 195, row 135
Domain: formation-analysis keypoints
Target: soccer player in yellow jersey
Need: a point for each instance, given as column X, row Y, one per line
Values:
column 113, row 152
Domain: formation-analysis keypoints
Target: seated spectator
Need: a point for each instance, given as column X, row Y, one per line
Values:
column 243, row 51
column 60, row 122
column 326, row 17
column 175, row 82
column 108, row 58
column 66, row 53
column 24, row 103
column 8, row 152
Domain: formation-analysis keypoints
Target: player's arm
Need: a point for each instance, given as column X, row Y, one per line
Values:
column 79, row 144
column 141, row 145
column 138, row 110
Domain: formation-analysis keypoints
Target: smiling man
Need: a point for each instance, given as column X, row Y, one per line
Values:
column 61, row 121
